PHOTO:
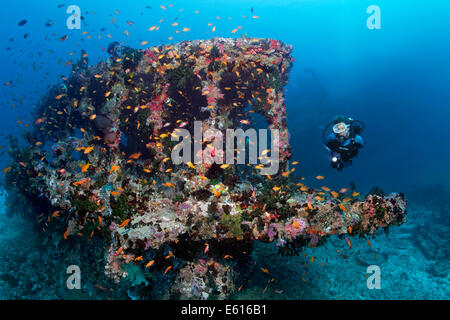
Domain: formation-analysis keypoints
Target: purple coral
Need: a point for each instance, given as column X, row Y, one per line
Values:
column 295, row 228
column 271, row 231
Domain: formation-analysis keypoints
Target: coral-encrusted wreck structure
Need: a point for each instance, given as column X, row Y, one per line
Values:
column 99, row 163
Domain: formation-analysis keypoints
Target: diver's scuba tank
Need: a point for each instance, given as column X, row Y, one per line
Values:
column 356, row 126
column 352, row 130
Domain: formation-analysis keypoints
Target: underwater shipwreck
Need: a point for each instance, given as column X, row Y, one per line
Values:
column 96, row 171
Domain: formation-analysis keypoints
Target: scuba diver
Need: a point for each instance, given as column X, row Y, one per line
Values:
column 344, row 142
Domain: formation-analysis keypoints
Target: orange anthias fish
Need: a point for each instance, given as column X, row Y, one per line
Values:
column 320, row 177
column 88, row 149
column 150, row 263
column 216, row 193
column 77, row 183
column 342, row 207
column 123, row 224
column 168, row 268
column 40, row 120
column 265, row 270
column 190, row 165
column 85, row 167
column 135, row 156
column 66, row 233
column 349, row 243
column 114, row 168
column 170, row 255
column 295, row 224
column 100, row 287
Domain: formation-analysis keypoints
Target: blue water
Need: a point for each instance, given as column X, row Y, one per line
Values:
column 394, row 79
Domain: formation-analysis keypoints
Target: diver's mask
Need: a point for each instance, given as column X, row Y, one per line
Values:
column 341, row 130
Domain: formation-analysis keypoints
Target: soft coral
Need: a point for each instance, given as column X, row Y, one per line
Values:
column 213, row 93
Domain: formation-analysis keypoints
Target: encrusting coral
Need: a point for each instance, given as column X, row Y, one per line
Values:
column 99, row 154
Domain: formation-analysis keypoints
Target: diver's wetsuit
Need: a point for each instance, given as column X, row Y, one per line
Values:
column 344, row 150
